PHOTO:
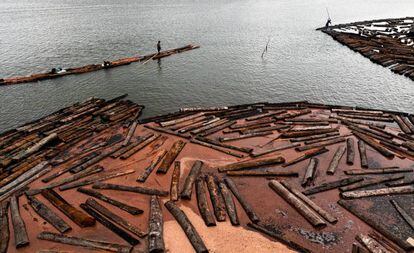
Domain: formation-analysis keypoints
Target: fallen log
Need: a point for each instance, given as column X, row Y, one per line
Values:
column 216, row 198
column 333, row 165
column 302, row 208
column 246, row 206
column 130, row 209
column 43, row 142
column 223, row 150
column 130, row 146
column 48, row 215
column 320, row 144
column 270, row 114
column 383, row 151
column 309, row 128
column 360, row 122
column 217, row 128
column 230, row 206
column 131, row 132
column 370, row 118
column 310, row 172
column 171, row 156
column 156, row 160
column 363, row 154
column 4, row 226
column 378, row 192
column 297, row 134
column 407, row 181
column 369, row 182
column 166, row 131
column 187, row 227
column 324, row 139
column 350, row 151
column 371, row 244
column 198, row 125
column 251, row 164
column 217, row 143
column 77, row 216
column 245, row 136
column 206, row 127
column 401, row 124
column 140, row 146
column 175, row 181
column 136, row 189
column 86, row 243
column 261, row 173
column 287, row 146
column 403, row 213
column 305, row 156
column 202, row 203
column 156, row 224
column 386, row 170
column 332, row 185
column 19, row 228
column 190, row 180
column 264, row 129
column 176, row 121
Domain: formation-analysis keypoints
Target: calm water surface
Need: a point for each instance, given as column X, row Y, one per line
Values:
column 301, row 64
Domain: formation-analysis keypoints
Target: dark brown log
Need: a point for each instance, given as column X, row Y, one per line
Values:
column 176, row 121
column 403, row 213
column 86, row 243
column 4, row 226
column 309, row 128
column 71, row 212
column 370, row 118
column 402, row 124
column 333, row 165
column 136, row 189
column 374, row 145
column 262, row 172
column 310, row 172
column 109, row 224
column 175, row 181
column 169, row 158
column 372, row 135
column 279, row 237
column 293, row 114
column 131, row 132
column 307, row 213
column 190, row 180
column 115, row 218
column 407, row 181
column 350, row 151
column 216, row 198
column 157, row 159
column 264, row 129
column 230, row 206
column 253, row 124
column 167, row 131
column 327, row 216
column 189, row 123
column 251, row 164
column 187, row 227
column 223, row 150
column 48, row 215
column 20, row 234
column 403, row 153
column 246, row 206
column 297, row 134
column 211, row 125
column 324, row 139
column 360, row 122
column 370, row 181
column 305, row 156
column 245, row 136
column 320, row 144
column 156, row 224
column 132, row 145
column 130, row 209
column 217, row 128
column 142, row 145
column 198, row 125
column 202, row 203
column 371, row 244
column 378, row 192
column 363, row 154
column 36, row 147
column 283, row 147
column 217, row 143
column 270, row 114
column 378, row 171
column 332, row 185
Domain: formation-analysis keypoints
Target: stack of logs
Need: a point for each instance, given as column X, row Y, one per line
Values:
column 306, row 133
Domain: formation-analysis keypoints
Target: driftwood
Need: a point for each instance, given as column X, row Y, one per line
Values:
column 217, row 143
column 20, row 234
column 320, row 144
column 333, row 165
column 136, row 189
column 175, row 181
column 190, row 180
column 332, row 185
column 202, row 203
column 363, row 154
column 310, row 172
column 388, row 170
column 370, row 181
column 4, row 226
column 261, row 173
column 71, row 212
column 86, row 243
column 230, row 206
column 216, row 198
column 171, row 156
column 187, row 227
column 371, row 244
column 378, row 192
column 48, row 215
column 130, row 209
column 403, row 213
column 223, row 150
column 157, row 159
column 246, row 206
column 287, row 146
column 140, row 146
column 350, row 151
column 305, row 156
column 296, row 203
column 156, row 231
column 251, row 164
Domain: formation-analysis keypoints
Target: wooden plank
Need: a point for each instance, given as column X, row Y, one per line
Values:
column 156, row 160
column 175, row 181
column 171, row 156
column 19, row 228
column 332, row 185
column 333, row 165
column 216, row 198
column 190, row 180
column 251, row 164
column 136, row 189
column 4, row 226
column 202, row 203
column 156, row 224
column 378, row 192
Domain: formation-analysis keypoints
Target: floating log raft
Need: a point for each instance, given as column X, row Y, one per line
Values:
column 95, row 67
column 386, row 42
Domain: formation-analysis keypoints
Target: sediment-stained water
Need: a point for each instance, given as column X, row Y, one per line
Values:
column 301, row 63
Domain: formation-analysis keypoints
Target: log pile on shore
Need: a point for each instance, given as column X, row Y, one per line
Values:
column 313, row 177
column 388, row 42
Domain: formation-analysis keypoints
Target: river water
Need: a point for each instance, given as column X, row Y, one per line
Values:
column 301, row 63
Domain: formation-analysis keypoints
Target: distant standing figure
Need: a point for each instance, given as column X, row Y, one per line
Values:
column 159, row 46
column 328, row 23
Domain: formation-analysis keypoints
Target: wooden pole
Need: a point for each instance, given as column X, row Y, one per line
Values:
column 171, row 156
column 261, row 173
column 245, row 136
column 378, row 192
column 190, row 180
column 202, row 203
column 305, row 156
column 251, row 164
column 175, row 181
column 131, row 132
column 333, row 165
column 140, row 146
column 136, row 189
column 310, row 172
column 378, row 171
column 332, row 185
column 230, row 206
column 4, row 226
column 225, row 151
column 20, row 233
column 370, row 181
column 217, row 143
column 374, row 145
column 156, row 227
column 320, row 144
column 363, row 154
column 157, row 159
column 283, row 147
column 350, row 151
column 403, row 213
column 216, row 198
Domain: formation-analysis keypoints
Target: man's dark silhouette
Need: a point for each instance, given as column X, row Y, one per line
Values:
column 159, row 46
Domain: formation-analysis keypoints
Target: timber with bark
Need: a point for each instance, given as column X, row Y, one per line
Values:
column 20, row 233
column 371, row 244
column 369, row 182
column 245, row 136
column 206, row 127
column 132, row 145
column 297, row 134
column 332, row 185
column 48, row 215
column 156, row 227
column 287, row 146
column 127, row 188
column 350, row 151
column 310, row 172
column 217, row 143
column 140, row 146
column 374, row 144
column 357, row 121
column 378, row 192
column 310, row 215
column 246, row 206
column 198, row 125
column 156, row 160
column 333, row 165
column 175, row 181
column 305, row 156
column 169, row 158
column 176, row 121
column 262, row 173
column 190, row 180
column 217, row 128
column 4, row 226
column 251, row 164
column 223, row 150
column 77, row 216
column 402, row 124
column 131, row 132
column 33, row 149
column 167, row 131
column 130, row 209
column 187, row 227
column 216, row 198
column 86, row 243
column 230, row 206
column 320, row 144
column 388, row 170
column 363, row 154
column 202, row 203
column 324, row 139
column 403, row 213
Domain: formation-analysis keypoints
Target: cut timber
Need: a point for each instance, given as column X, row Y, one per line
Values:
column 140, row 146
column 245, row 136
column 223, row 150
column 202, row 203
column 136, row 189
column 296, row 203
column 310, row 172
column 296, row 134
column 157, row 159
column 262, row 173
column 132, row 145
column 370, row 181
column 176, row 121
column 246, row 206
column 251, row 164
column 350, row 151
column 171, row 156
column 156, row 230
column 216, row 198
column 320, row 144
column 187, row 227
column 4, row 226
column 217, row 128
column 403, row 213
column 20, row 234
column 305, row 156
column 378, row 192
column 166, row 131
column 363, row 154
column 371, row 244
column 86, row 243
column 314, row 137
column 287, row 146
column 43, row 142
column 131, row 132
column 217, row 143
column 130, row 209
column 332, row 185
column 175, row 181
column 230, row 206
column 374, row 144
column 333, row 165
column 48, row 215
column 71, row 212
column 190, row 180
column 378, row 171
column 401, row 124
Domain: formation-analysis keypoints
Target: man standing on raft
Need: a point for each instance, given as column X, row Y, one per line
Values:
column 159, row 46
